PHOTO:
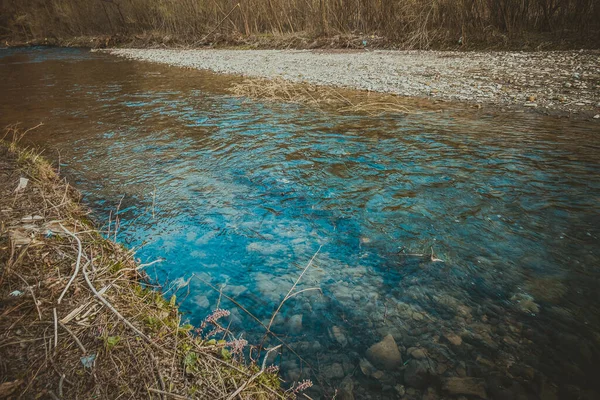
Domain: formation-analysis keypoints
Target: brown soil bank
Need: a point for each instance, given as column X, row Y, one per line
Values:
column 76, row 321
column 405, row 24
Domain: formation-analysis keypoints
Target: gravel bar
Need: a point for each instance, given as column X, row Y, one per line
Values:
column 563, row 81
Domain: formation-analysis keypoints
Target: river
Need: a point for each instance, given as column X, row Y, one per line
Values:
column 470, row 238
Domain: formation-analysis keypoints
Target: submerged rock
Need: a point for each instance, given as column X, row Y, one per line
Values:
column 385, row 354
column 202, row 302
column 417, row 373
column 294, row 324
column 453, row 339
column 366, row 367
column 525, row 303
column 416, row 353
column 334, row 371
column 430, row 394
column 400, row 390
column 465, row 386
column 337, row 334
column 346, row 389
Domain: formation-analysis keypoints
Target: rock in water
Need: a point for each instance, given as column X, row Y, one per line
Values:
column 334, row 371
column 385, row 354
column 453, row 339
column 366, row 367
column 337, row 334
column 417, row 374
column 465, row 386
column 419, row 354
column 430, row 394
column 294, row 325
column 345, row 391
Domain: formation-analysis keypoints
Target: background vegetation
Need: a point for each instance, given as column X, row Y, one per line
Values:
column 403, row 23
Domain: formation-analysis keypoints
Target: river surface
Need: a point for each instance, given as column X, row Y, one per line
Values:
column 471, row 239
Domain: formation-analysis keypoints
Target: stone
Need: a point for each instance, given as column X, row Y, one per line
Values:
column 338, row 335
column 417, row 316
column 236, row 291
column 504, row 394
column 385, row 354
column 202, row 301
column 417, row 373
column 548, row 391
column 453, row 339
column 419, row 354
column 430, row 394
column 348, row 366
column 278, row 320
column 293, row 375
column 346, row 389
column 379, row 375
column 523, row 371
column 294, row 324
column 400, row 390
column 334, row 371
column 366, row 367
column 465, row 386
column 442, row 368
column 482, row 361
column 525, row 303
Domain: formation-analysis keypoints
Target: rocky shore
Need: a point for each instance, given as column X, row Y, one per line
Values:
column 557, row 82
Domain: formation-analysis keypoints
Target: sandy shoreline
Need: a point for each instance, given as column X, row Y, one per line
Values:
column 562, row 81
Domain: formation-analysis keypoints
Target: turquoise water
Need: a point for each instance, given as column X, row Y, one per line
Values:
column 242, row 193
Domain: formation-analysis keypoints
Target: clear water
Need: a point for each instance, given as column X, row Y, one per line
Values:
column 241, row 194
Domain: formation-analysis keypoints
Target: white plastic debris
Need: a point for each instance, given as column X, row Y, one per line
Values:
column 22, row 184
column 16, row 293
column 32, row 218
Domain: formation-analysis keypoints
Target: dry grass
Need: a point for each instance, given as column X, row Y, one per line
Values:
column 77, row 319
column 322, row 97
column 405, row 23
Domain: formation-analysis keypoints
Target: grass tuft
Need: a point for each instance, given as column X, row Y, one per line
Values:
column 321, row 97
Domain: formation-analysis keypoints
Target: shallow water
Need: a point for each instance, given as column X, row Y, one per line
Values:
column 242, row 193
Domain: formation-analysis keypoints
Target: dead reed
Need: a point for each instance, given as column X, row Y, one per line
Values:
column 406, row 23
column 78, row 318
column 322, row 97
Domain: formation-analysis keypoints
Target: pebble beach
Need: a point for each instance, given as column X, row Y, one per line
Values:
column 564, row 82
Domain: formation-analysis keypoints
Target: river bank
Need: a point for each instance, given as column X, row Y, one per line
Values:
column 78, row 318
column 470, row 237
column 559, row 83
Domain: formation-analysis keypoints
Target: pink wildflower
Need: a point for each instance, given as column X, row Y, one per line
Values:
column 237, row 345
column 214, row 317
column 272, row 369
column 217, row 314
column 302, row 386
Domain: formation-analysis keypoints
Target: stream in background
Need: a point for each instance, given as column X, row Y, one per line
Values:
column 242, row 193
